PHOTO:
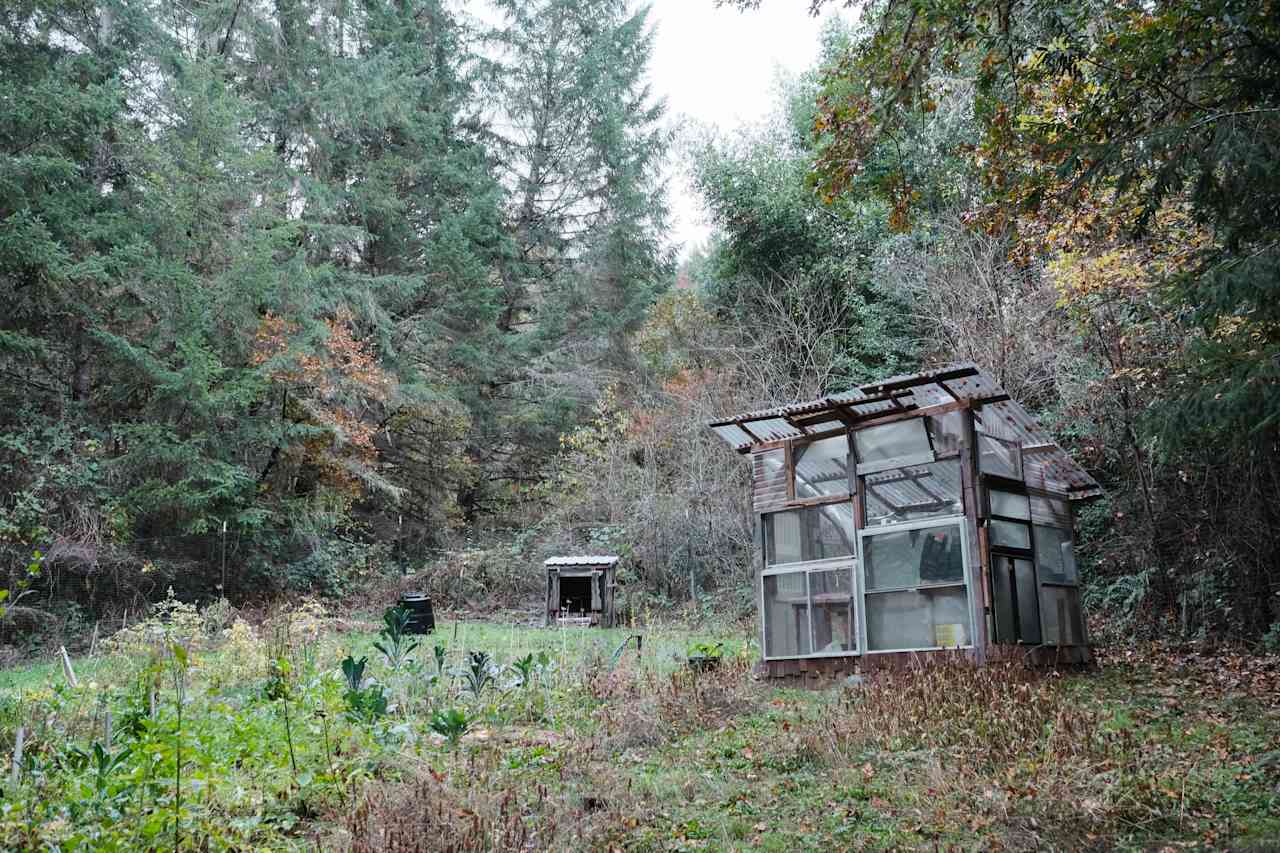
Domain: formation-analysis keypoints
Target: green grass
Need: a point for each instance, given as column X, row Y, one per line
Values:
column 643, row 755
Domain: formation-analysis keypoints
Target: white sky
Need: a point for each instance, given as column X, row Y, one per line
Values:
column 718, row 66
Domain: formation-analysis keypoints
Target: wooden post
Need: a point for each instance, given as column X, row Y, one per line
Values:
column 969, row 484
column 18, row 742
column 66, row 668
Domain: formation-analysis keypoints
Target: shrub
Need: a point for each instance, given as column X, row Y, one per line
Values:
column 170, row 621
column 242, row 656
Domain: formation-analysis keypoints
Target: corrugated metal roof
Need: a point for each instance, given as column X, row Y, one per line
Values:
column 1047, row 466
column 582, row 560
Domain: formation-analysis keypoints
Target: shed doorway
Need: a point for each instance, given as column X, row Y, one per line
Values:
column 575, row 594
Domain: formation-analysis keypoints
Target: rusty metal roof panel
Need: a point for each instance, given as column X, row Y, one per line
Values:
column 1053, row 469
column 582, row 560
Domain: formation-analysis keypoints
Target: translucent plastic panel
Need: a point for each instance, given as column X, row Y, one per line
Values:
column 913, row 493
column 1011, row 505
column 822, row 467
column 1001, row 458
column 891, row 441
column 1011, row 534
column 733, row 435
column 831, row 599
column 811, row 533
column 786, row 615
column 909, row 558
column 918, row 619
column 824, row 426
column 1054, row 555
column 771, row 429
column 1061, row 608
column 771, row 461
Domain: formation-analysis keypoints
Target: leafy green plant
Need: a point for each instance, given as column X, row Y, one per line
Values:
column 439, row 652
column 1271, row 639
column 178, row 670
column 451, row 724
column 353, row 671
column 706, row 650
column 278, row 688
column 364, row 704
column 22, row 588
column 479, row 673
column 705, row 655
column 396, row 644
column 524, row 669
column 103, row 763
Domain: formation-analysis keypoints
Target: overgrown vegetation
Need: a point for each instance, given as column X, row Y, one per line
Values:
column 284, row 306
column 306, row 298
column 567, row 747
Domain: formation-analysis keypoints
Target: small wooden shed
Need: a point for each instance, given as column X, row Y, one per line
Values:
column 920, row 515
column 580, row 590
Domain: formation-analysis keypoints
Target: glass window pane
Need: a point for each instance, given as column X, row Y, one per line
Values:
column 1001, row 458
column 918, row 619
column 913, row 493
column 1052, row 512
column 782, row 537
column 1061, row 608
column 1002, row 581
column 829, row 531
column 831, row 597
column 908, row 558
column 786, row 615
column 822, row 467
column 1011, row 534
column 891, row 441
column 1006, row 503
column 810, row 533
column 1028, row 601
column 1054, row 555
column 946, row 431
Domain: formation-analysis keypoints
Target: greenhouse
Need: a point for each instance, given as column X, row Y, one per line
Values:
column 920, row 515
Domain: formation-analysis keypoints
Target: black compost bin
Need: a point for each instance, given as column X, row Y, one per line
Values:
column 422, row 620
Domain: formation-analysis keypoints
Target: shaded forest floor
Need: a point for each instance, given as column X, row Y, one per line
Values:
column 575, row 746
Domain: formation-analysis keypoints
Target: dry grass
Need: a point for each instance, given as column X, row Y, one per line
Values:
column 431, row 815
column 588, row 801
column 1013, row 751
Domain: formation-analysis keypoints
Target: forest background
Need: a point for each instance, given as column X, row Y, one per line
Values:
column 301, row 296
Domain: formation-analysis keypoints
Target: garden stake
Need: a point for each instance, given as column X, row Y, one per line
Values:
column 66, row 668
column 19, row 739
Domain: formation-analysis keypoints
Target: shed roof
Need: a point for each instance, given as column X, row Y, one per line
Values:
column 1046, row 464
column 582, row 560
